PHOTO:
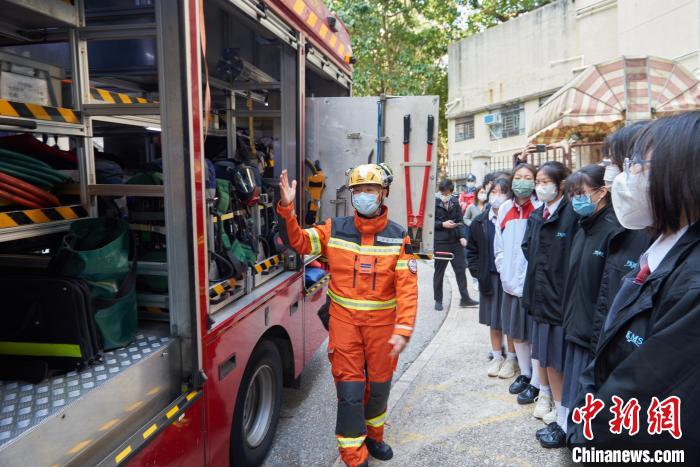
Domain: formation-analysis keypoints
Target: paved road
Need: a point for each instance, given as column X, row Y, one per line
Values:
column 305, row 435
column 452, row 414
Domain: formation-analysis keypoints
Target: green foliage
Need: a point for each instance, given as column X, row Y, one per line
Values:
column 483, row 14
column 401, row 45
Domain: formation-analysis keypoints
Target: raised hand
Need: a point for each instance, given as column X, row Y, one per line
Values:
column 287, row 192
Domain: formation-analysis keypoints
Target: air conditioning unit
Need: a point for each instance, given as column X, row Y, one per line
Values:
column 492, row 119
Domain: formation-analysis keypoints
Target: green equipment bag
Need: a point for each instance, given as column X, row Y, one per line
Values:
column 97, row 250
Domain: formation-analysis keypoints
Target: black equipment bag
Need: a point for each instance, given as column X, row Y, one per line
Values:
column 47, row 323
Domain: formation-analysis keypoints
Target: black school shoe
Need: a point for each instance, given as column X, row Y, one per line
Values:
column 463, row 303
column 543, row 431
column 519, row 385
column 556, row 438
column 529, row 395
column 381, row 450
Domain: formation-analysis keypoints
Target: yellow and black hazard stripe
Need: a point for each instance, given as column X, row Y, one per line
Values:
column 217, row 290
column 117, row 97
column 41, row 216
column 317, row 285
column 146, row 433
column 38, row 112
column 267, row 264
column 422, row 256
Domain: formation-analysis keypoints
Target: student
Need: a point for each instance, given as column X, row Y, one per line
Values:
column 546, row 246
column 477, row 207
column 480, row 258
column 627, row 245
column 590, row 199
column 450, row 237
column 511, row 264
column 651, row 337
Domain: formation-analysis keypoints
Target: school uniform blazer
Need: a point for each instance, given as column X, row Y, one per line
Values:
column 546, row 246
column 650, row 349
column 586, row 265
column 478, row 259
column 624, row 249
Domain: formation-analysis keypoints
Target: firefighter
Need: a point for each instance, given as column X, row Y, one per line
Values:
column 373, row 293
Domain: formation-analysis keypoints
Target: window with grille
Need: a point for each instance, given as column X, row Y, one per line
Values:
column 512, row 123
column 464, row 128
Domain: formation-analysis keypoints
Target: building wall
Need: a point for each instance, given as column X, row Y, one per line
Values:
column 537, row 53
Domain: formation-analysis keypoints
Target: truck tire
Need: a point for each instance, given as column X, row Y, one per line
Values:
column 257, row 408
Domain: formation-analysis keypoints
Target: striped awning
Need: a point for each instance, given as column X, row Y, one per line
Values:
column 603, row 97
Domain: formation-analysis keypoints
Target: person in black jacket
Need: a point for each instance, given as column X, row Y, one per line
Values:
column 450, row 237
column 626, row 245
column 547, row 246
column 480, row 258
column 651, row 337
column 590, row 199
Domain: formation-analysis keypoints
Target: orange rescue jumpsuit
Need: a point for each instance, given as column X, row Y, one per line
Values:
column 374, row 294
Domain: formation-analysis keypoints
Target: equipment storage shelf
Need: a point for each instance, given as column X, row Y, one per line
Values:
column 26, row 15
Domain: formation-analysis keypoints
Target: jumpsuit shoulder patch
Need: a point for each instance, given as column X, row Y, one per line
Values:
column 413, row 265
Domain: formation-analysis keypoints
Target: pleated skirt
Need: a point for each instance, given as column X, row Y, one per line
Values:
column 577, row 359
column 548, row 345
column 490, row 305
column 517, row 324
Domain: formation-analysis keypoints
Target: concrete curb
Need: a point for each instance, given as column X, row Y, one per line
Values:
column 399, row 388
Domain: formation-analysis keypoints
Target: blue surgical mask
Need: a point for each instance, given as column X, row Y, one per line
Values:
column 365, row 203
column 583, row 205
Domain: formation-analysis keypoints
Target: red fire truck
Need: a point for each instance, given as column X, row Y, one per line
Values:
column 129, row 101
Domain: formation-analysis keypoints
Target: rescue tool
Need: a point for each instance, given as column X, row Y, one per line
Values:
column 415, row 221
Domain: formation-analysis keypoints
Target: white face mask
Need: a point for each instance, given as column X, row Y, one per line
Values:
column 631, row 202
column 445, row 198
column 482, row 197
column 496, row 201
column 546, row 192
column 611, row 171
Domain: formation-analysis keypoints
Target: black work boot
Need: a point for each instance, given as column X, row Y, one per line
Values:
column 379, row 450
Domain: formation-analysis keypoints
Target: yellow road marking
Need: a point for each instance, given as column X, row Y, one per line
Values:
column 109, row 424
column 79, row 447
column 134, row 406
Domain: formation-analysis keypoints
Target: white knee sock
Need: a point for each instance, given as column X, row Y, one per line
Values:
column 510, row 356
column 535, row 380
column 522, row 349
column 545, row 391
column 562, row 416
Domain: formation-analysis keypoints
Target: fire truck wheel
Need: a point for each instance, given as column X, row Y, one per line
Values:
column 257, row 407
